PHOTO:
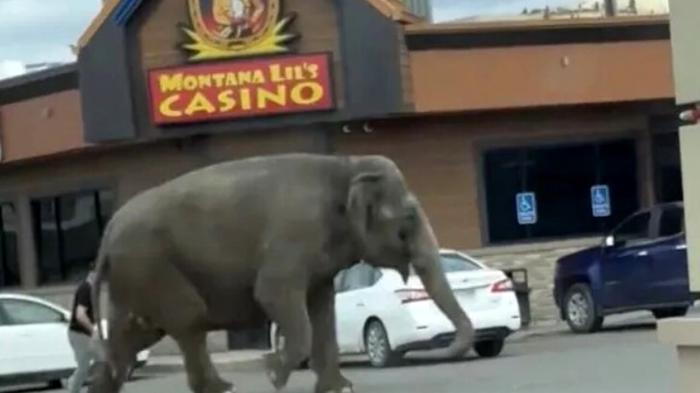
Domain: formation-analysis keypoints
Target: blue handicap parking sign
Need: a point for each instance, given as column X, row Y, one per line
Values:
column 526, row 206
column 600, row 201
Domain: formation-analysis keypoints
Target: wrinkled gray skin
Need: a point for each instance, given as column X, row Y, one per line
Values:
column 221, row 247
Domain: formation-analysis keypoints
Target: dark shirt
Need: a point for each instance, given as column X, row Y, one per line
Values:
column 83, row 298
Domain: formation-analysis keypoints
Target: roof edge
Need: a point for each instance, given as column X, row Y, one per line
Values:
column 107, row 8
column 38, row 83
column 511, row 25
column 392, row 9
column 396, row 11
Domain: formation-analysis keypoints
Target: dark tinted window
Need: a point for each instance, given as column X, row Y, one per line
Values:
column 561, row 176
column 106, row 206
column 80, row 232
column 68, row 228
column 46, row 239
column 671, row 222
column 634, row 229
column 9, row 263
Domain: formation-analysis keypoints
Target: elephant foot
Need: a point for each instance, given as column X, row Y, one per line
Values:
column 218, row 385
column 339, row 385
column 222, row 386
column 277, row 372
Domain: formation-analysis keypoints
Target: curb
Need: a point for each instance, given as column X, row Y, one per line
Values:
column 174, row 363
column 537, row 332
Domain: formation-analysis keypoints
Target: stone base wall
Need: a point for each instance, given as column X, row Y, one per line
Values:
column 539, row 261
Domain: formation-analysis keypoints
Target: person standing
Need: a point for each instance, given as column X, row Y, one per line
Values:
column 81, row 330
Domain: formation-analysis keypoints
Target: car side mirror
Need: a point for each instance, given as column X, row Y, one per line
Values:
column 610, row 241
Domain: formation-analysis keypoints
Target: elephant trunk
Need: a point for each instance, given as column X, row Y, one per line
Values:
column 427, row 265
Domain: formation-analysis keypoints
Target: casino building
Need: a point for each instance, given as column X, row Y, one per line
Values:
column 474, row 113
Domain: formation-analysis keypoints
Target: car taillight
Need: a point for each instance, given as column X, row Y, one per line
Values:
column 412, row 295
column 691, row 115
column 504, row 285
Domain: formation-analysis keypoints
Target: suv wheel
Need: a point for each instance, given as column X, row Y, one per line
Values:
column 378, row 347
column 663, row 313
column 55, row 384
column 489, row 349
column 580, row 310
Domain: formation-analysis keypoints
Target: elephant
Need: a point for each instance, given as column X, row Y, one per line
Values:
column 234, row 243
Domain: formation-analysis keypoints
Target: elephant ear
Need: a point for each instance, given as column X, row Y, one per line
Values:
column 363, row 200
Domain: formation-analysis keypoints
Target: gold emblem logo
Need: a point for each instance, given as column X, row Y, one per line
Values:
column 233, row 28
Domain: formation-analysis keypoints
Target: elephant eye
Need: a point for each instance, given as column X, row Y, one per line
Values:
column 403, row 235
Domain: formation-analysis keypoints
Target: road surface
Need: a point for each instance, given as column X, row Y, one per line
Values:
column 618, row 360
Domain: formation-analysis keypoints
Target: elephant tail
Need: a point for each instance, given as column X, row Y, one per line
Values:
column 101, row 267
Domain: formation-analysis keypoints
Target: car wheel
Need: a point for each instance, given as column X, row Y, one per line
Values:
column 278, row 346
column 130, row 372
column 580, row 311
column 490, row 348
column 663, row 313
column 56, row 384
column 378, row 347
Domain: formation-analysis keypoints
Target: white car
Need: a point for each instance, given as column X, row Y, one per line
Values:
column 34, row 344
column 378, row 315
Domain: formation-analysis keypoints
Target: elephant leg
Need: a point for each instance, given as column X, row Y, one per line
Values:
column 202, row 377
column 324, row 346
column 287, row 307
column 125, row 339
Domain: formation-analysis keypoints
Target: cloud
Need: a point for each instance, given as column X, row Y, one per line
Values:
column 453, row 9
column 42, row 30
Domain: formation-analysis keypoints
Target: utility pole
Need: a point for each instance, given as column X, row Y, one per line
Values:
column 610, row 7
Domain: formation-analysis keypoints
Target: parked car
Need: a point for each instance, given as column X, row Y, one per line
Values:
column 640, row 265
column 34, row 344
column 377, row 314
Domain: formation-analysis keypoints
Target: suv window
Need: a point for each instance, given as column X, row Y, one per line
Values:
column 21, row 312
column 671, row 222
column 634, row 229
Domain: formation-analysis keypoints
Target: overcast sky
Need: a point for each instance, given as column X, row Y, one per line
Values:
column 42, row 30
column 452, row 9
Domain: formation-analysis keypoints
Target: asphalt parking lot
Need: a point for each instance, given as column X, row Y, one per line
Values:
column 624, row 357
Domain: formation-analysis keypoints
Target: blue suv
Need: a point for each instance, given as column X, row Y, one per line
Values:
column 640, row 265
